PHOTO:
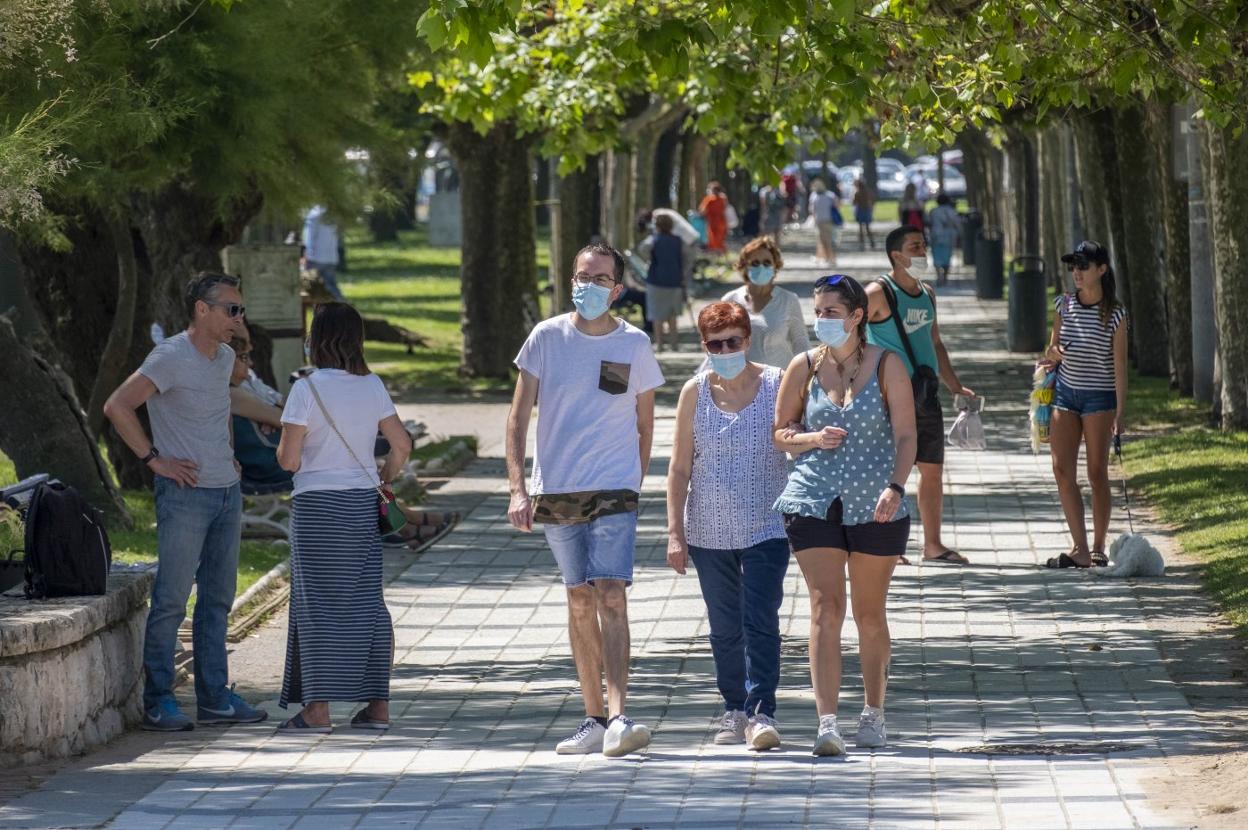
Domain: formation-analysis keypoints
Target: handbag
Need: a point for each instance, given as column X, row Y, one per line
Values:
column 390, row 519
column 924, row 381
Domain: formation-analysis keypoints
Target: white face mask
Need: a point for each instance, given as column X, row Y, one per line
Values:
column 918, row 265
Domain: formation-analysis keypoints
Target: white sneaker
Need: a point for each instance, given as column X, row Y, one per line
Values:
column 623, row 737
column 871, row 731
column 828, row 741
column 731, row 728
column 586, row 739
column 762, row 733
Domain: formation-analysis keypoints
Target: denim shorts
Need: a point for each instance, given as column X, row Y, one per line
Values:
column 1084, row 401
column 599, row 549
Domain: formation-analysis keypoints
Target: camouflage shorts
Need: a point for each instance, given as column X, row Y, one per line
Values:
column 579, row 508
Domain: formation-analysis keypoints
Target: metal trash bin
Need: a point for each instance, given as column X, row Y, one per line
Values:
column 972, row 221
column 990, row 264
column 1027, row 325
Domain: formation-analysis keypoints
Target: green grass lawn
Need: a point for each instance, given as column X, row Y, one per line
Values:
column 1197, row 479
column 418, row 287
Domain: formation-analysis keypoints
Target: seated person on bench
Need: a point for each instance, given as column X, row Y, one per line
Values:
column 257, row 431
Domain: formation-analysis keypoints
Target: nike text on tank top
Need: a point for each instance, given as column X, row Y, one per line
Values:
column 918, row 314
column 1087, row 344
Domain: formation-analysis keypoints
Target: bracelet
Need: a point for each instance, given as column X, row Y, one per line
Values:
column 147, row 458
column 897, row 488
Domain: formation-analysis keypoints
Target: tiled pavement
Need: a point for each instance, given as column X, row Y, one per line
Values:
column 1019, row 697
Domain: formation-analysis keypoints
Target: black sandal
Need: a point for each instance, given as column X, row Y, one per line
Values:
column 1064, row 561
column 1099, row 559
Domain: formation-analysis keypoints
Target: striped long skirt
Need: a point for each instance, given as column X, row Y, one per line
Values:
column 339, row 645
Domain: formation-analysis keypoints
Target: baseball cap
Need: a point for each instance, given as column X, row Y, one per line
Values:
column 1088, row 251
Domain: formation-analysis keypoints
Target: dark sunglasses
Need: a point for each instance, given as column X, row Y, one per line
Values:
column 232, row 309
column 1078, row 265
column 731, row 344
column 830, row 279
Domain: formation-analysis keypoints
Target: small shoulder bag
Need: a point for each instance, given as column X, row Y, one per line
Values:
column 390, row 519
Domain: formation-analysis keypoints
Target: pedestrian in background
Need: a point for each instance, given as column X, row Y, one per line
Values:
column 844, row 504
column 724, row 476
column 340, row 644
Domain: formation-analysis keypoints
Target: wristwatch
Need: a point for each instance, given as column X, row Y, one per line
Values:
column 145, row 459
column 897, row 488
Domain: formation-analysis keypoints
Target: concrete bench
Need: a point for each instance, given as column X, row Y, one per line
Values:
column 71, row 670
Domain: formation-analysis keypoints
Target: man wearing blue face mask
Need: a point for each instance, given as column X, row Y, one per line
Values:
column 593, row 378
column 902, row 318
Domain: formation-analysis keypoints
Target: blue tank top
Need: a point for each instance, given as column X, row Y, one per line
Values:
column 858, row 470
column 918, row 314
column 666, row 268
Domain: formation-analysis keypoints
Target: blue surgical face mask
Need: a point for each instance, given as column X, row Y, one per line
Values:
column 760, row 274
column 831, row 331
column 591, row 299
column 728, row 366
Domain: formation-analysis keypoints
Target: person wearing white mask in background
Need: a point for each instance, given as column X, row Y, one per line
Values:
column 723, row 478
column 779, row 332
column 911, row 332
column 593, row 377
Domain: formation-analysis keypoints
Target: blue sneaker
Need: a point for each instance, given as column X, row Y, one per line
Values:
column 166, row 717
column 233, row 709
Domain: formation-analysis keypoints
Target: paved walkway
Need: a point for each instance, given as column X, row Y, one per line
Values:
column 1019, row 697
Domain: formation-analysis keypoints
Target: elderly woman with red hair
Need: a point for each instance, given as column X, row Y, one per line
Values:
column 724, row 476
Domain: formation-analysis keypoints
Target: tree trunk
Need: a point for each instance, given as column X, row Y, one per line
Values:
column 1094, row 206
column 1176, row 256
column 1107, row 146
column 616, row 194
column 657, row 124
column 983, row 175
column 1025, row 193
column 499, row 256
column 1200, row 248
column 1141, row 201
column 693, row 152
column 665, row 157
column 113, row 363
column 1227, row 187
column 1052, row 219
column 576, row 225
column 48, row 433
column 870, row 172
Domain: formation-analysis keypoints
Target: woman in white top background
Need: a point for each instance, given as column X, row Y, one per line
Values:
column 724, row 475
column 779, row 331
column 340, row 642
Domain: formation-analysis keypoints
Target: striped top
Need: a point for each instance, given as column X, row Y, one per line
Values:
column 737, row 471
column 1087, row 346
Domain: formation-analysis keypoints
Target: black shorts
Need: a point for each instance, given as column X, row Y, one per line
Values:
column 929, row 424
column 874, row 538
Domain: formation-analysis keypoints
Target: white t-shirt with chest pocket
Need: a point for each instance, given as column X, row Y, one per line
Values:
column 587, row 405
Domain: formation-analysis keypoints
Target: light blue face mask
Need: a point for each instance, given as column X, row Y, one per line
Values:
column 591, row 299
column 728, row 366
column 831, row 331
column 760, row 274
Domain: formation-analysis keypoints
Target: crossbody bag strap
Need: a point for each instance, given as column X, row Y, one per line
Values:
column 329, row 420
column 901, row 330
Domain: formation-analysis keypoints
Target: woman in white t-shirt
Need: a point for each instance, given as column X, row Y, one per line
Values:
column 340, row 642
column 780, row 333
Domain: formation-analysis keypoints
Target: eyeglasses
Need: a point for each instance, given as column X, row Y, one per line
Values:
column 600, row 280
column 232, row 309
column 731, row 344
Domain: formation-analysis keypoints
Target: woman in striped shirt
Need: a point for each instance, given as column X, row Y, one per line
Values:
column 1089, row 349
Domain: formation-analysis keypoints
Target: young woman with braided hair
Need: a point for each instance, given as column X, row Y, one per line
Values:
column 844, row 505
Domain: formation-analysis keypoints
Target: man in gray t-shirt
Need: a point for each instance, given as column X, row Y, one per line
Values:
column 185, row 382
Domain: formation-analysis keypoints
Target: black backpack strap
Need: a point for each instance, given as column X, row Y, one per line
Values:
column 889, row 295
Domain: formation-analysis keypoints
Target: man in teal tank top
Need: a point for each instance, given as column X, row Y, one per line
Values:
column 916, row 311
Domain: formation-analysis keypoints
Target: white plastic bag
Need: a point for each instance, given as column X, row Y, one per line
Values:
column 967, row 432
column 731, row 218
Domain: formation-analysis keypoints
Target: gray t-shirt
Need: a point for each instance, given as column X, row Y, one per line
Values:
column 190, row 412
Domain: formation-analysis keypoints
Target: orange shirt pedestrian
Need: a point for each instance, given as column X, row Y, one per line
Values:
column 714, row 209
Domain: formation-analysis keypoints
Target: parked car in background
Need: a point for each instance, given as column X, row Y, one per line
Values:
column 955, row 182
column 891, row 173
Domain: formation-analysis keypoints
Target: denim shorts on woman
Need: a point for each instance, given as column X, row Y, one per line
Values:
column 1084, row 401
column 874, row 538
column 598, row 549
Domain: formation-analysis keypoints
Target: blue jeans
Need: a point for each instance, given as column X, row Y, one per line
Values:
column 197, row 537
column 743, row 590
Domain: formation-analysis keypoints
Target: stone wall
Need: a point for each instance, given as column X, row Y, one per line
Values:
column 71, row 670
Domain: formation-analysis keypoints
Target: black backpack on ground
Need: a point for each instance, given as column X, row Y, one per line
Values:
column 67, row 549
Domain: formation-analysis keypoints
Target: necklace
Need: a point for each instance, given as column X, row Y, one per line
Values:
column 840, row 371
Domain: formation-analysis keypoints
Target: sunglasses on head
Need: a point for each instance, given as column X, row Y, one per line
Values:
column 730, row 344
column 830, row 279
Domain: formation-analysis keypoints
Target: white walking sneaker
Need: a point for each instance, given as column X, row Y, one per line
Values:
column 731, row 728
column 623, row 737
column 762, row 733
column 828, row 740
column 871, row 731
column 586, row 739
